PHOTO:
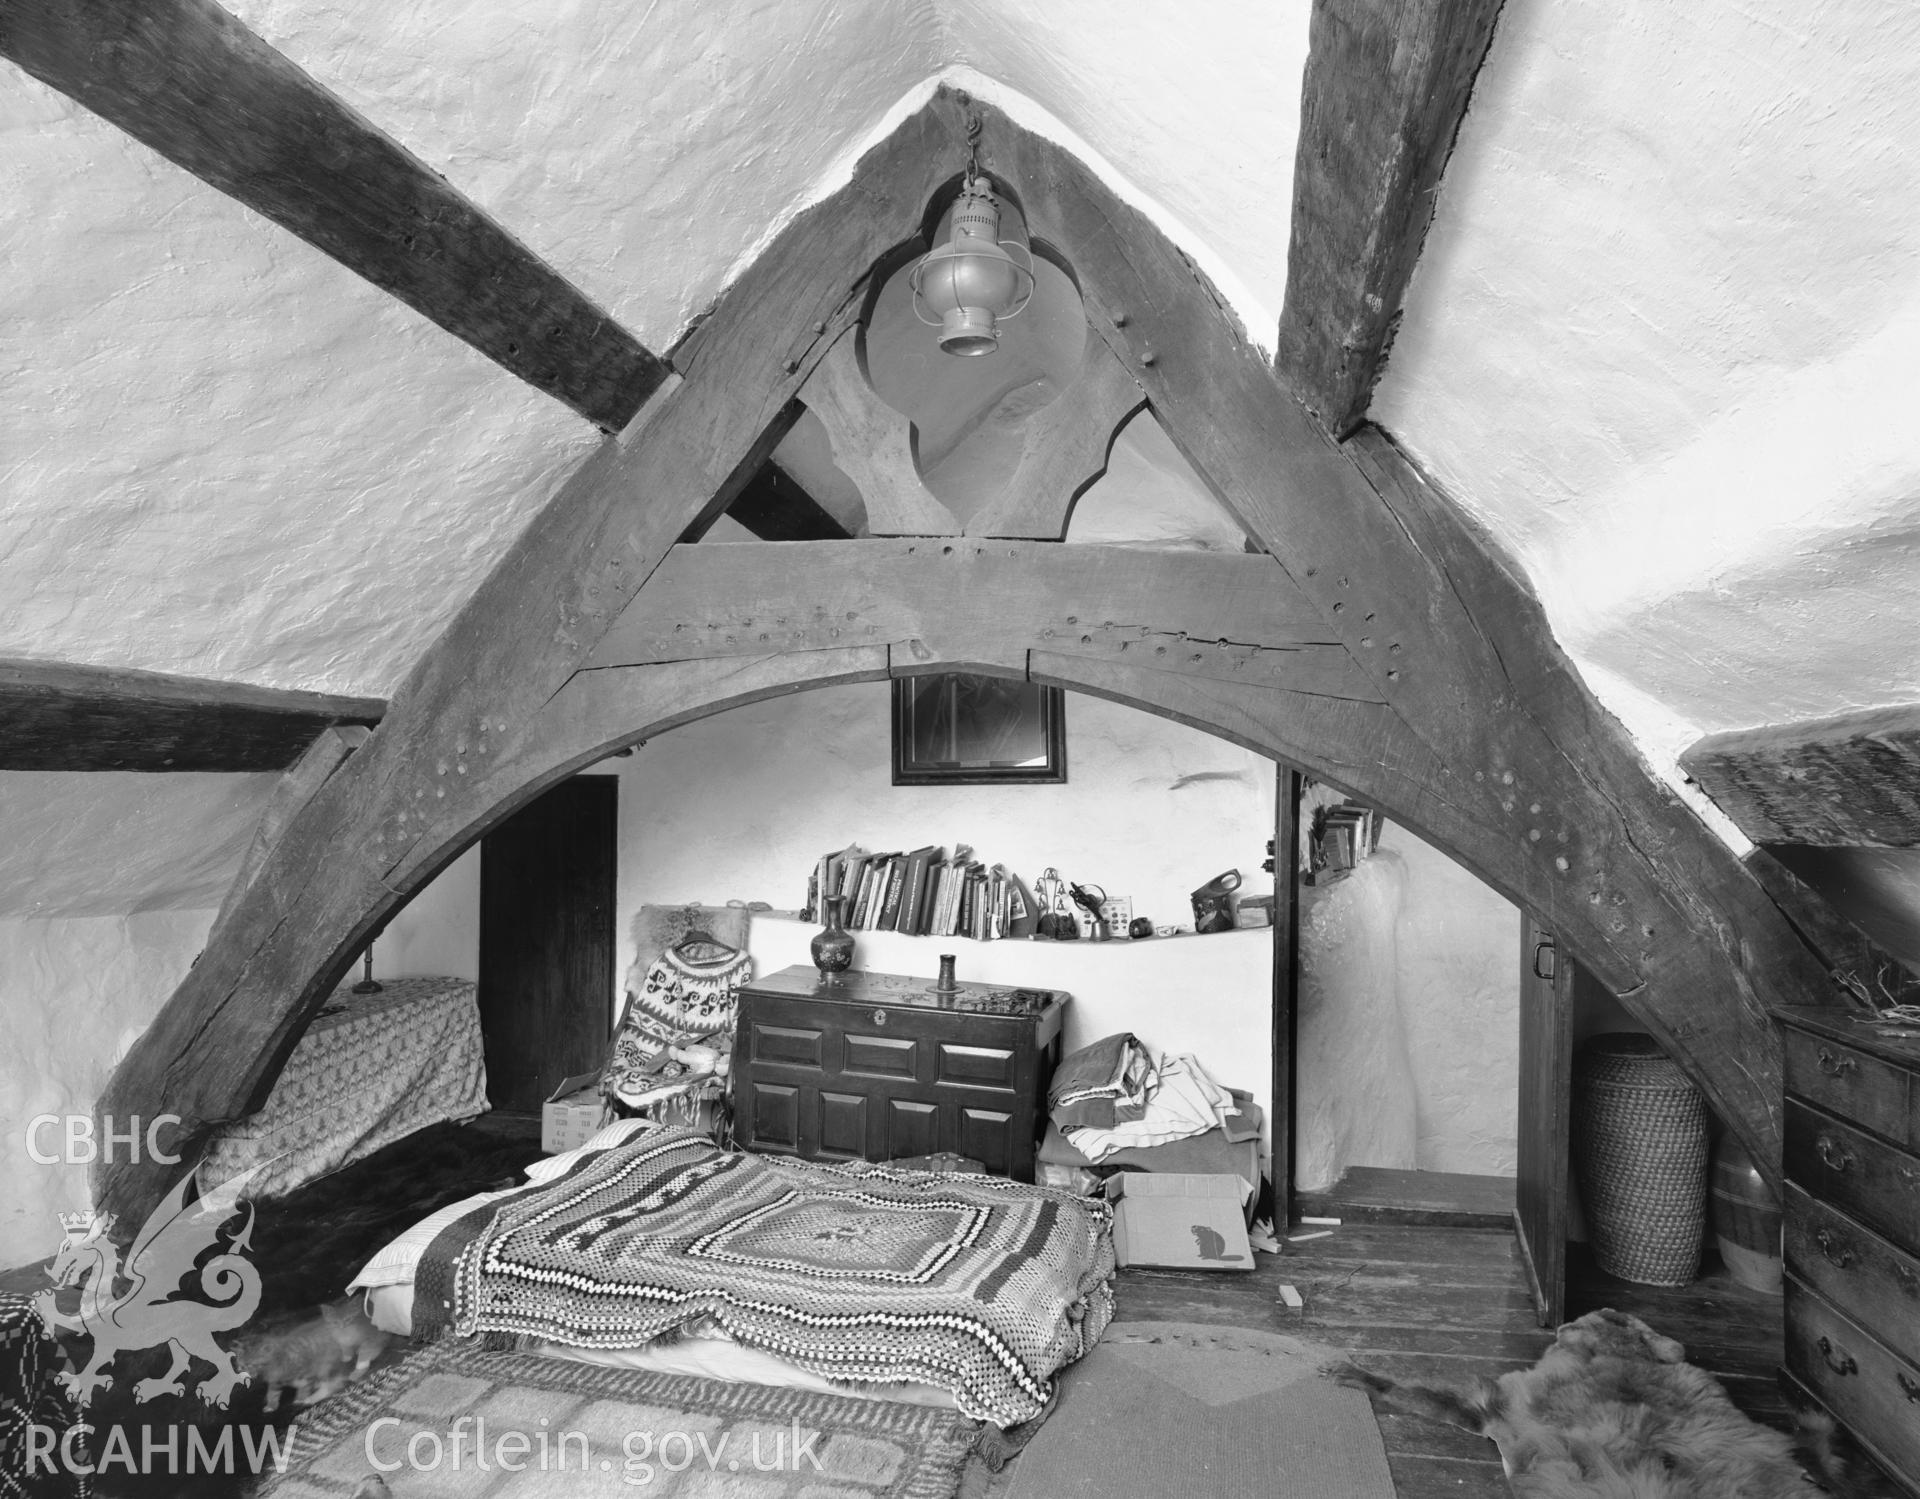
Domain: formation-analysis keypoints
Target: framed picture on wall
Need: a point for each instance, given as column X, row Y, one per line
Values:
column 959, row 729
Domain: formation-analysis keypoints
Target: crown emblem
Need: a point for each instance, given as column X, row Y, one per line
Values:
column 82, row 1225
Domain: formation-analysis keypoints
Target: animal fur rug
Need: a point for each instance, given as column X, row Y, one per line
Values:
column 1614, row 1411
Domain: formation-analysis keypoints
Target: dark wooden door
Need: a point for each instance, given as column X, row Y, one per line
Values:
column 546, row 941
column 1546, row 1081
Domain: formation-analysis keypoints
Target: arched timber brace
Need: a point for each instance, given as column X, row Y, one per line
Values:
column 1379, row 645
column 467, row 736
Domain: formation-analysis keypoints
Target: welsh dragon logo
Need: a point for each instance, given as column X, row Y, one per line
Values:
column 138, row 1304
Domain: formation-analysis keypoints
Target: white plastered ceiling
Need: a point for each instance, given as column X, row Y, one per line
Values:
column 1664, row 341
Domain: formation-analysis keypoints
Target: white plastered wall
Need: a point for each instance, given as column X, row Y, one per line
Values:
column 1409, row 1003
column 74, row 993
column 1664, row 340
column 739, row 806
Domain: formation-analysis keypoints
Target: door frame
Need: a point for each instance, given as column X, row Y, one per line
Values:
column 1282, row 1117
column 1542, row 1168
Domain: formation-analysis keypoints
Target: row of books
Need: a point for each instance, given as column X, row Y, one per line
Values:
column 925, row 893
column 1343, row 835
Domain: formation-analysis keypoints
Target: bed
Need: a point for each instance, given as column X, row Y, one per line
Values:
column 369, row 1069
column 651, row 1247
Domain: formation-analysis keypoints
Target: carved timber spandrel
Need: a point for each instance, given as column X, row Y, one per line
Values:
column 873, row 445
column 1063, row 450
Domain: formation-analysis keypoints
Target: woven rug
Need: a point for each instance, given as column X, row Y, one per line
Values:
column 577, row 1432
column 1203, row 1413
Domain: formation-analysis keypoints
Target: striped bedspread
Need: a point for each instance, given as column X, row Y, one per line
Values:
column 979, row 1285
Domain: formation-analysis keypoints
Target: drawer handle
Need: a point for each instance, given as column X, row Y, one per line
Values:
column 1837, row 1157
column 1834, row 1066
column 879, row 1017
column 1832, row 1247
column 1909, row 1387
column 1843, row 1365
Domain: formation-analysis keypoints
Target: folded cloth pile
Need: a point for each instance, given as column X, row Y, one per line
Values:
column 1102, row 1084
column 1114, row 1095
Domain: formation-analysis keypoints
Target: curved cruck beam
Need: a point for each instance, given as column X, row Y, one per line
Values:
column 1586, row 836
column 468, row 722
column 1380, row 644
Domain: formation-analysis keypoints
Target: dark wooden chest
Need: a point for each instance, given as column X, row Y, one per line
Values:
column 877, row 1067
column 1852, row 1164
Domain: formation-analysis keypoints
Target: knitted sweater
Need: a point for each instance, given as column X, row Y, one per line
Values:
column 689, row 996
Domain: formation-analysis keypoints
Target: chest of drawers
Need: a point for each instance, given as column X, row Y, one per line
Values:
column 1852, row 1162
column 876, row 1067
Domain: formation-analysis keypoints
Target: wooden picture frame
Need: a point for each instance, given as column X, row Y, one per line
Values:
column 963, row 729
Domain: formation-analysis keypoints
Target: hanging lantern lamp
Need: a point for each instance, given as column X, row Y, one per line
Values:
column 972, row 284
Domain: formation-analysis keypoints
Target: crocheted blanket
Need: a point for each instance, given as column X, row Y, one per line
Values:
column 976, row 1284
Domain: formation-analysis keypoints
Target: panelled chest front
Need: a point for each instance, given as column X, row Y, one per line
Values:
column 1852, row 1163
column 878, row 1067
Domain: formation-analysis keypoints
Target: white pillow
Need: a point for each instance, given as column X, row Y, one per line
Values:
column 617, row 1133
column 394, row 1265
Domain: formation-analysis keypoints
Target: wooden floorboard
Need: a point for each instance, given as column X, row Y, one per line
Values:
column 1437, row 1199
column 1445, row 1306
column 1416, row 1476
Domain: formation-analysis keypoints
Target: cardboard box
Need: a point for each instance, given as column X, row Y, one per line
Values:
column 573, row 1114
column 1179, row 1222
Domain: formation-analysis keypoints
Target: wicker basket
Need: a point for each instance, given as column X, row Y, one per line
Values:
column 1640, row 1145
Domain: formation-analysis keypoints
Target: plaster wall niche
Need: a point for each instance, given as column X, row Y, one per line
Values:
column 1357, row 1102
column 1408, row 1022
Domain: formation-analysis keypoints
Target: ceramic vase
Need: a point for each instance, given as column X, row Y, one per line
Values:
column 832, row 945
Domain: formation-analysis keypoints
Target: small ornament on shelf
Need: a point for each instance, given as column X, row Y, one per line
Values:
column 832, row 946
column 1212, row 903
